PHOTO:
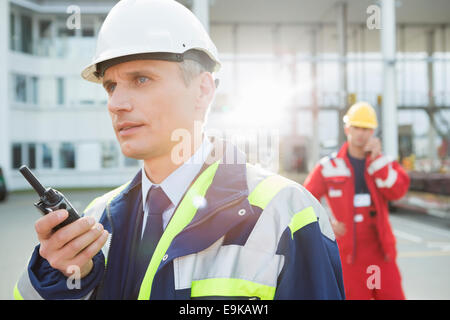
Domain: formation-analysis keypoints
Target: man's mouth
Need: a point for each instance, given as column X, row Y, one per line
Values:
column 128, row 128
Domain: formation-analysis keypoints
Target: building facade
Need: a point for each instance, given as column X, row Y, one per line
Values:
column 52, row 120
column 280, row 96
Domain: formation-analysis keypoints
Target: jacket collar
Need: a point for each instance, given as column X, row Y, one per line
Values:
column 136, row 181
column 343, row 153
column 226, row 206
column 229, row 182
column 226, row 203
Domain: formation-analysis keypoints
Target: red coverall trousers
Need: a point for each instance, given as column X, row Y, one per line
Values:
column 370, row 276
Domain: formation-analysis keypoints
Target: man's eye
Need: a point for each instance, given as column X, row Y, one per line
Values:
column 110, row 88
column 142, row 79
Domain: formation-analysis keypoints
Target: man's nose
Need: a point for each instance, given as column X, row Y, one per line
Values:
column 119, row 100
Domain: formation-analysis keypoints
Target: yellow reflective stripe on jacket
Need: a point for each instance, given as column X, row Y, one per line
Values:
column 17, row 295
column 267, row 189
column 301, row 219
column 117, row 191
column 98, row 212
column 181, row 218
column 111, row 195
column 91, row 204
column 228, row 287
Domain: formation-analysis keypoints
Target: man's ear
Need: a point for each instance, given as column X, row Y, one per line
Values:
column 207, row 89
column 346, row 130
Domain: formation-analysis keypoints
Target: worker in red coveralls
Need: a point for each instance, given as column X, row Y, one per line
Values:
column 357, row 183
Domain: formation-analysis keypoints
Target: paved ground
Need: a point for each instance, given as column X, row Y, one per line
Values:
column 17, row 235
column 423, row 243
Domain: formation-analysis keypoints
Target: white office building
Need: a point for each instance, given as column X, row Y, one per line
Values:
column 51, row 119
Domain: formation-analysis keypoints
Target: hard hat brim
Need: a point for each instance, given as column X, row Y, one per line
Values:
column 93, row 74
column 89, row 74
column 361, row 124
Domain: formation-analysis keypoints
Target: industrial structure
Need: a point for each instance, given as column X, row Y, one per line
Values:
column 290, row 71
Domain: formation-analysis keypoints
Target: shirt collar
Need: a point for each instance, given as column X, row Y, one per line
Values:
column 176, row 184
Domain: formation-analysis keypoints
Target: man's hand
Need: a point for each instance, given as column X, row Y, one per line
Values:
column 338, row 228
column 373, row 146
column 72, row 245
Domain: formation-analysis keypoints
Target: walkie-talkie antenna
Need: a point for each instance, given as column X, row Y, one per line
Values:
column 32, row 180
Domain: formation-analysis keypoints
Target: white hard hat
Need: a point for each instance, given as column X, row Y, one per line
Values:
column 151, row 29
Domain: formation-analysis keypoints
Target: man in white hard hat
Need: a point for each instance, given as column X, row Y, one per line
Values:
column 190, row 224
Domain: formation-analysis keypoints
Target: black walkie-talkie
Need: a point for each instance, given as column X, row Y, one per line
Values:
column 50, row 199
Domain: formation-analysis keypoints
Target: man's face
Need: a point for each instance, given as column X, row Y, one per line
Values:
column 357, row 136
column 147, row 101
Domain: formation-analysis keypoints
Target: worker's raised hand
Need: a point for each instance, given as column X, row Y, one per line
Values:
column 72, row 245
column 338, row 228
column 373, row 146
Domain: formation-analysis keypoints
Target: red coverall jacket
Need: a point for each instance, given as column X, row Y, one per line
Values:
column 385, row 179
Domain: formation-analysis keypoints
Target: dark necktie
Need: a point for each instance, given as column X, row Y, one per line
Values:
column 157, row 203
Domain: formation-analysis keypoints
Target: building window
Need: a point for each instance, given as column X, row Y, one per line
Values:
column 45, row 29
column 16, row 155
column 60, row 91
column 24, row 153
column 87, row 32
column 20, row 88
column 110, row 156
column 130, row 162
column 34, row 90
column 26, row 40
column 31, row 149
column 44, row 45
column 64, row 32
column 12, row 32
column 46, row 156
column 67, row 155
column 25, row 88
